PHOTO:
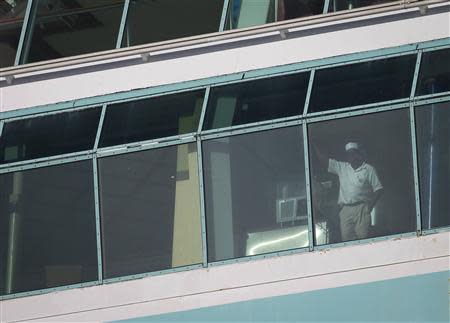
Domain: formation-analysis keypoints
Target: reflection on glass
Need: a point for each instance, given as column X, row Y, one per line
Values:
column 434, row 76
column 255, row 193
column 66, row 28
column 152, row 118
column 248, row 13
column 338, row 5
column 49, row 135
column 362, row 83
column 362, row 176
column 254, row 101
column 11, row 20
column 433, row 141
column 47, row 228
column 152, row 21
column 150, row 210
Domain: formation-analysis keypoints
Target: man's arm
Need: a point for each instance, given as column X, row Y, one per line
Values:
column 375, row 197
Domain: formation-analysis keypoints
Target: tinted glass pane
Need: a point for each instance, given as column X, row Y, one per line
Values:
column 11, row 20
column 47, row 228
column 248, row 13
column 150, row 210
column 152, row 118
column 255, row 101
column 159, row 20
column 255, row 193
column 354, row 161
column 337, row 5
column 362, row 83
column 66, row 28
column 49, row 135
column 433, row 141
column 434, row 73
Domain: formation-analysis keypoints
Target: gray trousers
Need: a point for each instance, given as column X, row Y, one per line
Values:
column 355, row 221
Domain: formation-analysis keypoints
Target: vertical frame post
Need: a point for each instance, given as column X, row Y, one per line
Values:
column 223, row 18
column 23, row 32
column 203, row 113
column 97, row 220
column 308, row 187
column 416, row 75
column 123, row 22
column 202, row 202
column 100, row 127
column 309, row 91
column 1, row 127
column 200, row 177
column 326, row 5
column 28, row 36
column 416, row 171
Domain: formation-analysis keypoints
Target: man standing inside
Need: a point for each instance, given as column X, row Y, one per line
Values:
column 359, row 191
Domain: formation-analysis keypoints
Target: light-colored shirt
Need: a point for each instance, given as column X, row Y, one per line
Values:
column 355, row 185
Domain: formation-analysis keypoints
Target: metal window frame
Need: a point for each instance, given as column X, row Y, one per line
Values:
column 47, row 161
column 223, row 17
column 98, row 236
column 26, row 19
column 123, row 22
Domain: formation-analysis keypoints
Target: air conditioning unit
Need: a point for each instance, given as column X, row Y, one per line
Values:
column 288, row 209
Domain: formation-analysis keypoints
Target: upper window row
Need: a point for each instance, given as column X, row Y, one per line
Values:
column 228, row 105
column 61, row 28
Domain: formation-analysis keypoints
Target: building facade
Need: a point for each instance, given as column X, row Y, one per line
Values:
column 162, row 161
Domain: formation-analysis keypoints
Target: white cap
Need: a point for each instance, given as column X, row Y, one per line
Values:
column 351, row 145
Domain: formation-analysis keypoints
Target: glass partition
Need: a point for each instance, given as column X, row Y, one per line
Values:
column 152, row 21
column 49, row 135
column 434, row 76
column 362, row 83
column 362, row 176
column 150, row 210
column 338, row 5
column 255, row 101
column 248, row 13
column 67, row 28
column 433, row 143
column 255, row 193
column 47, row 228
column 152, row 118
column 11, row 21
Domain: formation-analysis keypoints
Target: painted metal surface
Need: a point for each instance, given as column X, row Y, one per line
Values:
column 393, row 300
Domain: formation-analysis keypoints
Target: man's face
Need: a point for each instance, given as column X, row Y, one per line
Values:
column 354, row 157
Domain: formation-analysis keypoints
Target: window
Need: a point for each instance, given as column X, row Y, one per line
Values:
column 11, row 20
column 338, row 5
column 49, row 135
column 152, row 21
column 248, row 13
column 434, row 76
column 152, row 118
column 351, row 160
column 433, row 141
column 254, row 101
column 362, row 83
column 150, row 210
column 255, row 193
column 47, row 228
column 66, row 28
